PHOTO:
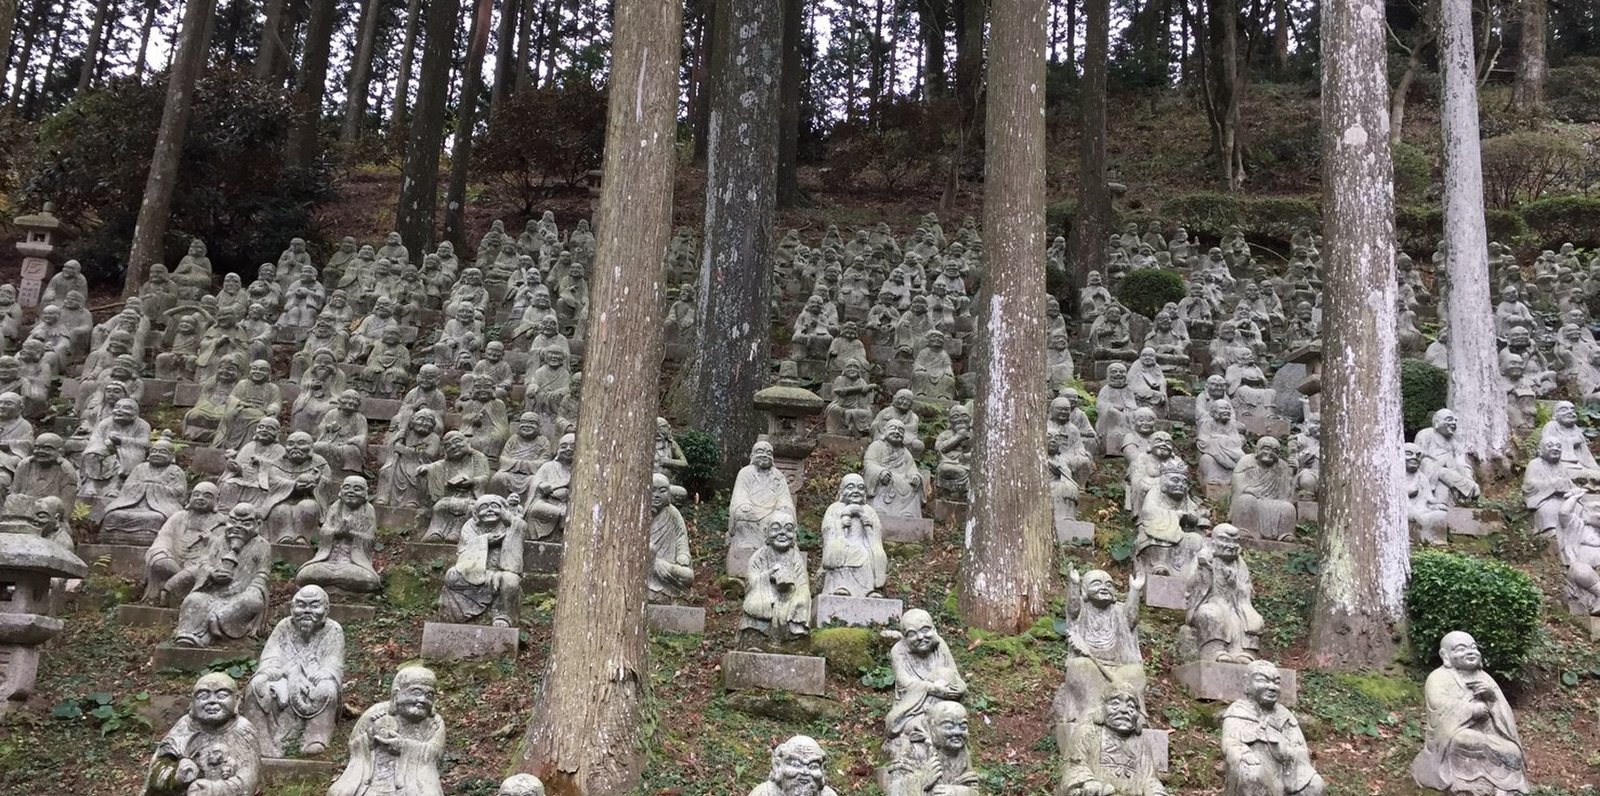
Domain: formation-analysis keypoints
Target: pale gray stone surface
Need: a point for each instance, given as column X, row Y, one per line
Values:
column 865, row 611
column 685, row 619
column 1471, row 743
column 447, row 641
column 211, row 749
column 1263, row 749
column 799, row 674
column 1226, row 682
column 407, row 716
column 293, row 697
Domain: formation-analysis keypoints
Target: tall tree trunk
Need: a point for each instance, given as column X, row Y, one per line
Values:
column 526, row 60
column 91, row 51
column 271, row 52
column 794, row 36
column 144, row 37
column 36, row 22
column 155, row 209
column 1232, row 146
column 1366, row 547
column 1005, row 571
column 419, row 183
column 969, row 17
column 1527, row 90
column 732, row 328
column 8, row 29
column 312, row 84
column 935, row 17
column 1397, row 100
column 355, row 109
column 1091, row 222
column 711, row 32
column 1475, row 391
column 402, row 87
column 505, row 53
column 43, row 78
column 455, row 195
column 584, row 735
column 1280, row 35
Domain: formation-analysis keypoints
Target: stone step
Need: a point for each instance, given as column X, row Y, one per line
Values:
column 449, row 641
column 797, row 674
column 859, row 611
column 1225, row 682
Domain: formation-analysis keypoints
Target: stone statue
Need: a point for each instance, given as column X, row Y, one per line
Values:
column 901, row 408
column 522, row 455
column 521, row 785
column 1563, row 429
column 1263, row 750
column 345, row 543
column 297, row 492
column 1221, row 444
column 894, row 482
column 45, row 473
column 117, row 445
column 933, row 374
column 1449, row 459
column 671, row 567
column 201, row 421
column 1115, row 404
column 211, row 750
column 797, row 770
column 409, row 448
column 341, row 436
column 229, row 597
column 853, row 561
column 938, row 761
column 954, row 445
column 487, row 575
column 1168, row 523
column 425, row 395
column 925, row 673
column 849, row 413
column 1263, row 493
column 396, row 746
column 1218, row 614
column 1144, row 471
column 1423, row 506
column 153, row 492
column 1472, row 745
column 1148, row 381
column 251, row 400
column 759, row 491
column 551, row 488
column 777, row 598
column 1579, row 543
column 1547, row 483
column 1107, row 754
column 454, row 484
column 669, row 458
column 1102, row 642
column 293, row 698
column 181, row 545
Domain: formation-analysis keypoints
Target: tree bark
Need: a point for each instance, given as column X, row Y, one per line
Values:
column 706, row 77
column 505, row 55
column 1280, row 35
column 91, row 50
column 1365, row 548
column 732, row 328
column 361, row 71
column 36, row 22
column 1091, row 222
column 1527, row 89
column 402, row 89
column 935, row 16
column 144, row 36
column 1475, row 392
column 8, row 29
column 794, row 32
column 527, row 63
column 1397, row 100
column 455, row 195
column 270, row 52
column 150, row 231
column 419, row 183
column 584, row 735
column 1005, row 570
column 1232, row 147
column 312, row 84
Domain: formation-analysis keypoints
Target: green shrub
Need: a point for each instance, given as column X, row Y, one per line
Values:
column 1418, row 228
column 1521, row 166
column 1211, row 214
column 1058, row 218
column 1574, row 90
column 542, row 141
column 1413, row 171
column 705, row 458
column 1424, row 389
column 1498, row 605
column 1147, row 290
column 1556, row 220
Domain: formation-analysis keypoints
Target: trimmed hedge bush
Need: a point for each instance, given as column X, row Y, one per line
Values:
column 1424, row 389
column 1419, row 228
column 705, row 458
column 1574, row 90
column 1210, row 214
column 1498, row 605
column 1147, row 290
column 1564, row 219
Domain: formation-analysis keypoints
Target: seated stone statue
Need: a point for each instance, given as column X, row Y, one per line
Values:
column 1449, row 458
column 894, row 482
column 797, row 770
column 1248, row 390
column 671, row 566
column 201, row 421
column 151, row 493
column 345, row 543
column 117, row 445
column 853, row 561
column 1058, row 365
column 954, row 445
column 939, row 762
column 408, row 450
column 341, row 436
column 777, row 598
column 45, row 472
column 388, row 366
column 181, row 545
column 229, row 596
column 1220, row 620
column 521, row 456
column 1263, row 749
column 1263, row 493
column 211, row 750
column 1424, row 509
column 252, row 399
column 1579, row 543
column 297, row 492
column 1168, row 521
column 1107, row 754
column 759, row 491
column 1472, row 745
column 1115, row 405
column 551, row 489
column 669, row 458
column 1564, row 430
column 1102, row 643
column 925, row 675
column 427, row 394
column 933, row 374
column 245, row 475
column 396, row 746
column 849, row 413
column 487, row 575
column 293, row 698
column 454, row 483
column 1221, row 444
column 1093, row 298
column 1148, row 381
column 902, row 408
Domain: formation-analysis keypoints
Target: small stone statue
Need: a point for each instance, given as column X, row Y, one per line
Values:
column 181, row 545
column 521, row 785
column 345, row 543
column 1449, row 459
column 902, row 408
column 252, row 399
column 149, row 495
column 1115, row 405
column 894, row 482
column 210, row 751
column 671, row 567
column 669, row 458
column 925, row 674
column 1107, row 754
column 396, row 746
column 1563, row 429
column 849, row 413
column 1221, row 444
column 487, row 576
column 1263, row 493
column 552, row 489
column 853, row 560
column 1263, row 750
column 1579, row 543
column 341, row 436
column 940, row 763
column 759, row 491
column 454, row 484
column 293, row 698
column 1423, row 506
column 1168, row 520
column 410, row 447
column 1102, row 643
column 1546, row 485
column 933, row 374
column 1472, row 745
column 520, row 458
column 1224, row 625
column 954, row 445
column 777, row 598
column 45, row 473
column 297, row 492
column 229, row 596
column 798, row 769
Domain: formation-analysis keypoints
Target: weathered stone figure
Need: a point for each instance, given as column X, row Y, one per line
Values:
column 1102, row 643
column 925, row 673
column 940, row 763
column 409, row 449
column 180, row 546
column 345, row 543
column 1168, row 521
column 454, row 484
column 1451, row 465
column 229, row 596
column 522, row 455
column 954, row 445
column 1423, row 506
column 853, row 561
column 521, row 785
column 1546, row 485
column 777, row 598
column 894, row 482
column 297, row 492
column 798, row 769
column 149, row 495
column 1263, row 751
column 1263, row 493
column 1217, row 595
column 849, row 413
column 552, row 488
column 293, row 698
column 211, row 750
column 671, row 566
column 396, row 746
column 1221, row 444
column 1107, row 754
column 759, row 491
column 1472, row 745
column 487, row 576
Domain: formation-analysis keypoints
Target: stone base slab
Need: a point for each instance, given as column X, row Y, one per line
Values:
column 394, row 518
column 1271, row 545
column 799, row 674
column 447, row 641
column 124, row 561
column 1309, row 510
column 277, row 770
column 1160, row 745
column 1216, row 493
column 952, row 512
column 195, row 659
column 134, row 615
column 1225, row 682
column 1164, row 591
column 1266, row 426
column 1468, row 522
column 863, row 611
column 295, row 555
column 907, row 529
column 1074, row 532
column 840, row 443
column 686, row 619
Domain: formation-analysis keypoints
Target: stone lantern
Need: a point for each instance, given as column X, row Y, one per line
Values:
column 38, row 241
column 789, row 407
column 27, row 565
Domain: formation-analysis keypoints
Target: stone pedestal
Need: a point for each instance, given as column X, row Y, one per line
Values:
column 1469, row 522
column 1309, row 510
column 798, row 674
column 950, row 512
column 1271, row 545
column 906, row 529
column 134, row 615
column 1074, row 532
column 280, row 770
column 685, row 619
column 1164, row 591
column 196, row 659
column 123, row 561
column 446, row 641
column 1160, row 745
column 1585, row 620
column 865, row 611
column 295, row 555
column 427, row 552
column 1216, row 493
column 393, row 518
column 1225, row 682
column 840, row 443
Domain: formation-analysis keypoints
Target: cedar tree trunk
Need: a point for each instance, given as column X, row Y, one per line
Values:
column 419, row 182
column 312, row 84
column 402, row 84
column 455, row 194
column 1092, row 221
column 361, row 71
column 1527, row 89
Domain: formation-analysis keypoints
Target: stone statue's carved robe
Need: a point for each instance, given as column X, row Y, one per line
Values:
column 295, row 690
column 853, row 561
column 235, row 741
column 411, row 768
column 757, row 495
column 223, row 607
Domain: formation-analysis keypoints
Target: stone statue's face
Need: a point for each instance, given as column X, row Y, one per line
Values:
column 353, row 494
column 46, row 452
column 298, row 448
column 266, row 433
column 428, row 379
column 1162, row 450
column 565, row 449
column 202, row 501
column 160, row 456
column 9, row 370
column 1097, row 589
column 950, row 732
column 660, row 496
column 528, row 430
column 1267, row 456
column 124, row 413
column 259, row 372
column 490, row 512
column 50, row 315
column 196, row 249
column 1222, row 412
column 10, row 408
column 922, row 640
column 214, row 703
column 781, row 534
column 1517, row 337
column 1446, row 424
column 1567, row 415
column 799, row 773
column 853, row 492
column 1462, row 654
column 1174, row 485
column 309, row 612
column 1550, row 451
column 1117, row 376
column 1122, row 714
column 414, row 702
column 350, row 404
column 1144, row 423
column 456, row 446
column 761, row 456
column 242, row 523
column 1414, row 460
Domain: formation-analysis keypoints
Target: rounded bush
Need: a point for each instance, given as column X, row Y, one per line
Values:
column 1555, row 220
column 1147, row 290
column 1498, row 605
column 705, row 458
column 1424, row 389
